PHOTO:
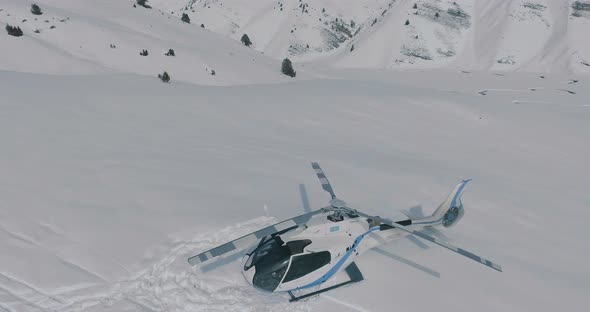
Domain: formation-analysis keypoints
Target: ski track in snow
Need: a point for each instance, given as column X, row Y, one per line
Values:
column 21, row 294
column 171, row 284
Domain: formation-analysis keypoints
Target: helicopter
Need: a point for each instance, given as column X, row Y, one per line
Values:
column 301, row 255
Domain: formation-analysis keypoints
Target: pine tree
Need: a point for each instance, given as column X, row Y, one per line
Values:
column 14, row 30
column 407, row 22
column 246, row 40
column 287, row 68
column 170, row 52
column 185, row 18
column 35, row 9
column 415, row 6
column 143, row 3
column 164, row 77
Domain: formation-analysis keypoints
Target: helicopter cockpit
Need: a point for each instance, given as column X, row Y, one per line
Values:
column 272, row 257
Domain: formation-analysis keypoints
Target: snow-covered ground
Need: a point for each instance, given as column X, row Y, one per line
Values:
column 109, row 182
column 84, row 31
column 110, row 178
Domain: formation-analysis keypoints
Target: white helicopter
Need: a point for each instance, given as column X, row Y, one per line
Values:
column 302, row 254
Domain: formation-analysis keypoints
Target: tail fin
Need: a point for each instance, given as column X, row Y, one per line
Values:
column 448, row 212
column 451, row 210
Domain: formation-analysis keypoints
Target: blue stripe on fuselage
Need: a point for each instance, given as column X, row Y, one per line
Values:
column 340, row 262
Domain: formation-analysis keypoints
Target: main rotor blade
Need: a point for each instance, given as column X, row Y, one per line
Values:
column 249, row 239
column 304, row 198
column 323, row 179
column 439, row 242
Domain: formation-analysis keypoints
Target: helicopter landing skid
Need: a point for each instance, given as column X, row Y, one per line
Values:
column 354, row 275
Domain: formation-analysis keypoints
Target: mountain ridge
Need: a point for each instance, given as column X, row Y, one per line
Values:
column 517, row 35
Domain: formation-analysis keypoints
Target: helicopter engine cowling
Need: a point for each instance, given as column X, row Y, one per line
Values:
column 451, row 210
column 452, row 216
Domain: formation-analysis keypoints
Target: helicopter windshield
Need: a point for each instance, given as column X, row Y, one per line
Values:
column 305, row 264
column 271, row 259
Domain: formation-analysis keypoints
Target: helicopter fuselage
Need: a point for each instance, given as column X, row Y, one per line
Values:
column 310, row 255
column 309, row 250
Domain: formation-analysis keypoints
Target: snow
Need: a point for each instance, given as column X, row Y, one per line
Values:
column 110, row 182
column 81, row 44
column 519, row 35
column 111, row 178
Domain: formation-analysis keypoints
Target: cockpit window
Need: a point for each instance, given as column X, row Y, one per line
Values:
column 304, row 264
column 296, row 246
column 270, row 259
column 265, row 246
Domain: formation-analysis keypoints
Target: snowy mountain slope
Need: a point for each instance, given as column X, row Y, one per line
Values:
column 531, row 36
column 281, row 28
column 109, row 182
column 516, row 35
column 537, row 36
column 110, row 178
column 84, row 31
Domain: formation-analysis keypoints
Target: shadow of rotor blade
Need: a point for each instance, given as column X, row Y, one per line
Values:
column 221, row 261
column 304, row 198
column 417, row 242
column 436, row 233
column 411, row 238
column 411, row 263
column 415, row 212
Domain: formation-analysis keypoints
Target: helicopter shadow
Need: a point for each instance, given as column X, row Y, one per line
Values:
column 403, row 260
